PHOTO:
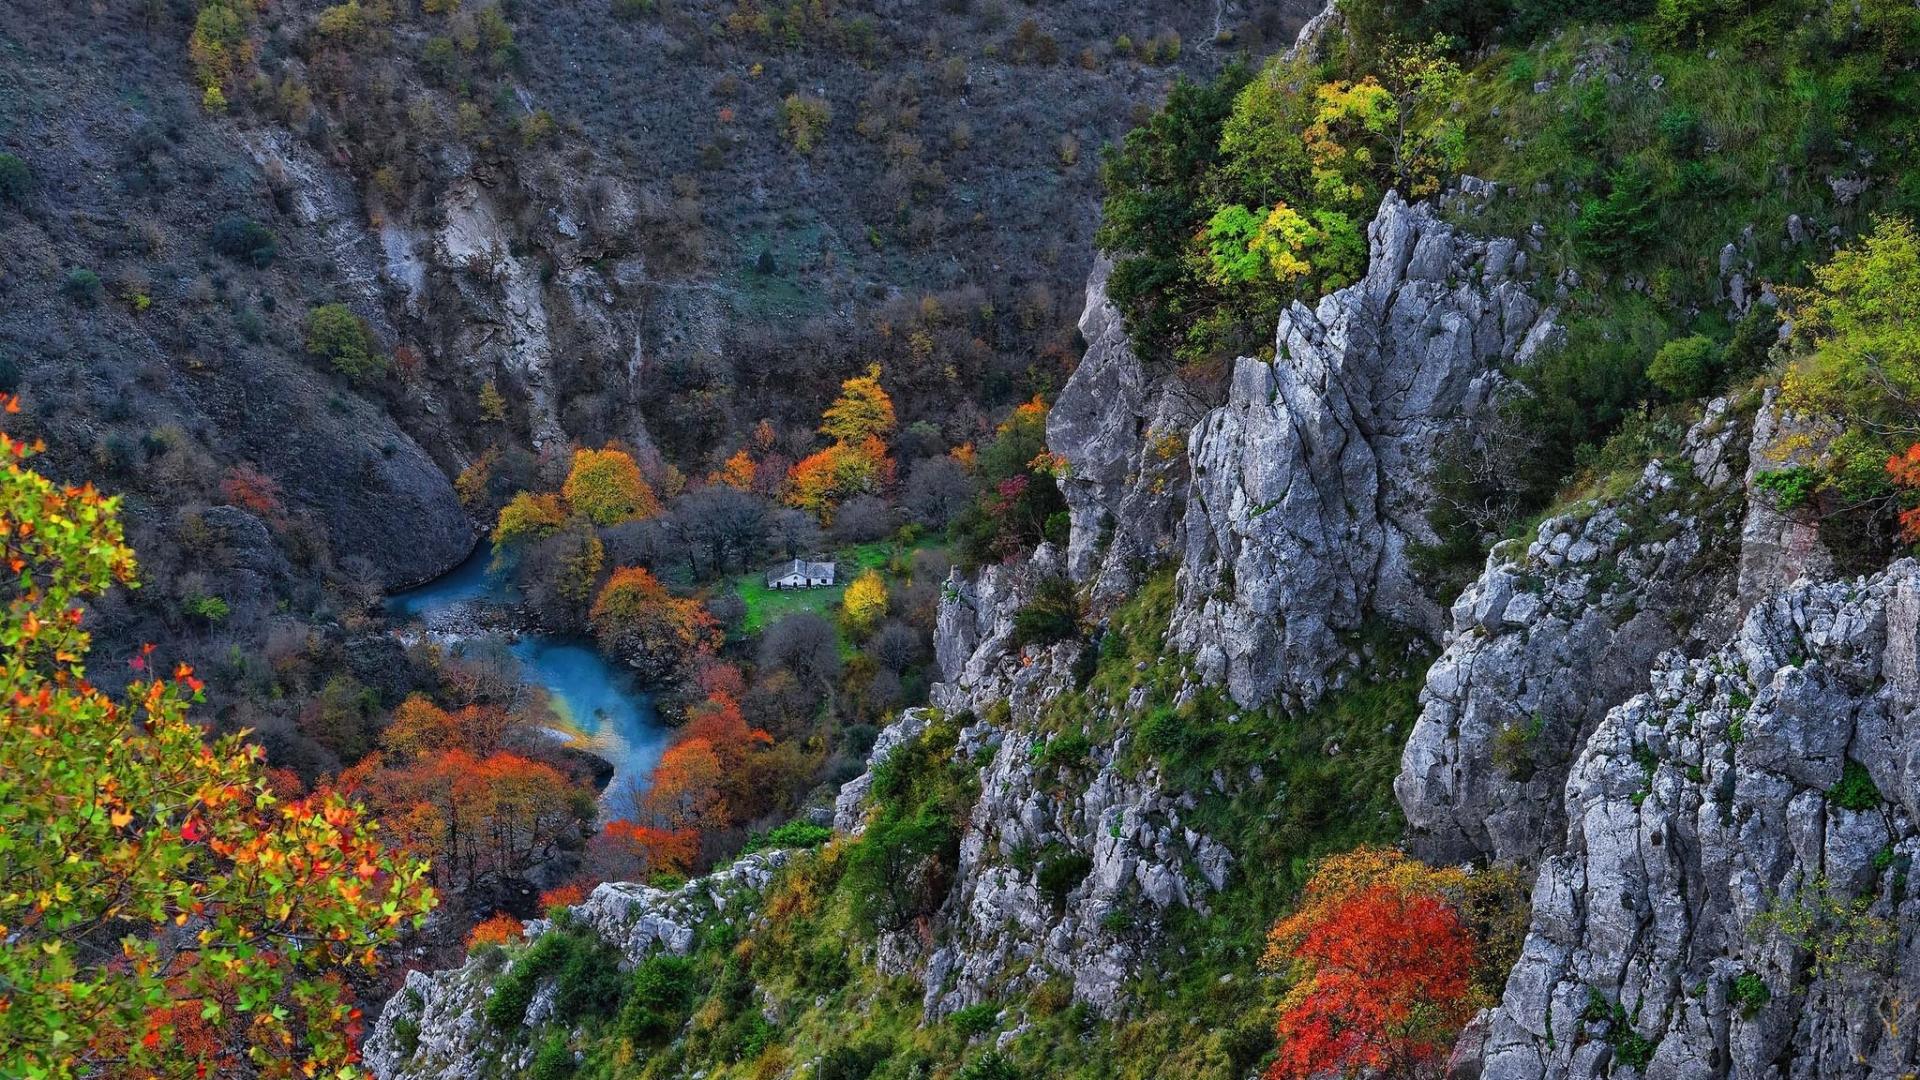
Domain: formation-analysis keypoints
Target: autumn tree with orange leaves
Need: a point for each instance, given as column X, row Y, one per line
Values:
column 1382, row 964
column 637, row 619
column 857, row 462
column 163, row 912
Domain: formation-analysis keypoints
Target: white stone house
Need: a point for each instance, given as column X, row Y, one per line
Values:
column 800, row 574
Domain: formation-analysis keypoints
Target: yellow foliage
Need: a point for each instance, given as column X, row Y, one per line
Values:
column 863, row 409
column 606, row 488
column 865, row 603
column 528, row 517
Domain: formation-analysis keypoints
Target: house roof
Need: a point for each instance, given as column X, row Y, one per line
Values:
column 802, row 568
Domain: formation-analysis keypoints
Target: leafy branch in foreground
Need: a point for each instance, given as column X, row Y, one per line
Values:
column 162, row 910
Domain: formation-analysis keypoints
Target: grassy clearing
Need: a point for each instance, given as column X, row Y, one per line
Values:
column 767, row 606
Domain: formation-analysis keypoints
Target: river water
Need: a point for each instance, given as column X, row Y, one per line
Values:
column 597, row 706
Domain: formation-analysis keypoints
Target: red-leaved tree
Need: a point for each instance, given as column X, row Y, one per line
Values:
column 1382, row 965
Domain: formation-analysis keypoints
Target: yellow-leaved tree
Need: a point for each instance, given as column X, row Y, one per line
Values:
column 605, row 487
column 162, row 911
column 865, row 604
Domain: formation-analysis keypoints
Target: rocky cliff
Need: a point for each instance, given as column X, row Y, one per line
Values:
column 1006, row 923
column 1123, row 434
column 1733, row 899
column 1310, row 485
column 1558, row 630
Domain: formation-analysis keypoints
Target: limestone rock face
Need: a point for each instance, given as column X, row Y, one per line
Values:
column 1775, row 775
column 1553, row 634
column 1777, row 547
column 1123, row 435
column 1068, row 865
column 436, row 1027
column 1311, row 482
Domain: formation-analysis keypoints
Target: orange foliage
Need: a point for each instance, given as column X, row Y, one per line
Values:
column 737, row 472
column 1904, row 469
column 656, row 849
column 567, row 895
column 498, row 930
column 477, row 818
column 1382, row 966
column 419, row 727
column 823, row 480
column 637, row 618
column 252, row 490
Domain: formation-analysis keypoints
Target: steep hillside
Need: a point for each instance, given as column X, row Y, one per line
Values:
column 1445, row 613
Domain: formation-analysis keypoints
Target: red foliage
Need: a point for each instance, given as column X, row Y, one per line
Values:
column 1384, row 985
column 1904, row 469
column 252, row 490
column 656, row 849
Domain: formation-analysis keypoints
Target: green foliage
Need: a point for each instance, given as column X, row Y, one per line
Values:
column 120, row 815
column 1017, row 497
column 1839, row 933
column 1157, row 182
column 1685, row 367
column 82, row 286
column 585, row 971
column 1749, row 993
column 241, row 238
column 1061, row 872
column 1629, row 1046
column 554, row 1061
column 1053, row 614
column 793, row 834
column 976, row 1019
column 900, row 869
column 989, row 1066
column 850, row 1062
column 213, row 609
column 1064, row 751
column 15, row 179
column 658, row 997
column 803, row 120
column 1855, row 789
column 344, row 339
column 1791, row 488
column 1616, row 227
column 1859, row 357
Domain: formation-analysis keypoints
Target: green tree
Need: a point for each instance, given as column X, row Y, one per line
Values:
column 345, row 340
column 165, row 912
column 1854, row 328
column 15, row 179
column 1157, row 182
column 1685, row 367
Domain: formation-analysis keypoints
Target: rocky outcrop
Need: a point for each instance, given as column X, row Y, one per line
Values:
column 436, row 1027
column 1311, row 483
column 1556, row 632
column 1778, row 547
column 973, row 637
column 1733, row 899
column 1123, row 437
column 1066, row 870
column 1067, row 865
